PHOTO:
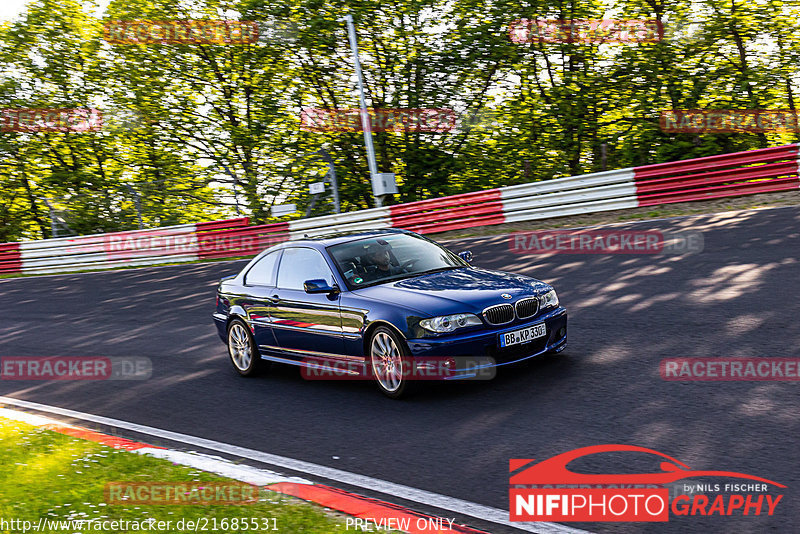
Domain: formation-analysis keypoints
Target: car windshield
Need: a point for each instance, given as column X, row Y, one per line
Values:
column 374, row 260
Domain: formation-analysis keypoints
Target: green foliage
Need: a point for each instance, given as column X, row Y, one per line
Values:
column 186, row 125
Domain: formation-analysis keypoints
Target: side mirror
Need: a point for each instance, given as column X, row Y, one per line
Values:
column 466, row 256
column 318, row 285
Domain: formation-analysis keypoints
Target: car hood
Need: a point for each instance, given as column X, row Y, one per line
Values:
column 470, row 289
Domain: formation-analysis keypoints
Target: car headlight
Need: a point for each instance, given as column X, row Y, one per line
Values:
column 548, row 299
column 448, row 323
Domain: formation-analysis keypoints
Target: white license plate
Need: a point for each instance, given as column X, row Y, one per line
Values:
column 523, row 335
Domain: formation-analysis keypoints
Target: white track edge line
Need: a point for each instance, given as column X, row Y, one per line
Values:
column 204, row 462
column 444, row 502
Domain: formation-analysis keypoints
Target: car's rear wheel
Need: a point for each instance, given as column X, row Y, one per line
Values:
column 390, row 363
column 242, row 349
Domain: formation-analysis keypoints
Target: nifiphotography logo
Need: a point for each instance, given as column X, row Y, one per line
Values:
column 549, row 491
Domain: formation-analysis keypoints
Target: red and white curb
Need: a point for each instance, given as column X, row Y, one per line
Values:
column 373, row 510
column 204, row 462
column 346, row 502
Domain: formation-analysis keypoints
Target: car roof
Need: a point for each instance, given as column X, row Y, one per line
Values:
column 335, row 238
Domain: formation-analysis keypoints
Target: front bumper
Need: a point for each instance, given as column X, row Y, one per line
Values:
column 484, row 345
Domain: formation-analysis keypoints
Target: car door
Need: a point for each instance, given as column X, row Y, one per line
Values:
column 259, row 282
column 306, row 325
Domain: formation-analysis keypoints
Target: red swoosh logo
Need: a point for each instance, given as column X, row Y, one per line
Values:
column 554, row 470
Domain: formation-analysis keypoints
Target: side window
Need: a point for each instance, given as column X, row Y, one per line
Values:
column 263, row 272
column 301, row 264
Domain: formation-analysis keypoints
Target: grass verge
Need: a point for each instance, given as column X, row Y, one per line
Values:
column 48, row 475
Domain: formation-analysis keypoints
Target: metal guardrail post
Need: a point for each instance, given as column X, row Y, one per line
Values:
column 138, row 204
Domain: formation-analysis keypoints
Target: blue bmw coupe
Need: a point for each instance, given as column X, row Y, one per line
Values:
column 383, row 305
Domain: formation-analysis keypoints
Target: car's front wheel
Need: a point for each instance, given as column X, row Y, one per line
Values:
column 242, row 349
column 390, row 363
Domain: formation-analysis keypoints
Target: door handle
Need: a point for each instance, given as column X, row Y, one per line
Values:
column 274, row 298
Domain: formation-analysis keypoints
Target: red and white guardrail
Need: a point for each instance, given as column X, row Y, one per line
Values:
column 186, row 242
column 727, row 175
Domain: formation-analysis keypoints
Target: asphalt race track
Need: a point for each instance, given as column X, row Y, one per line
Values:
column 739, row 297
